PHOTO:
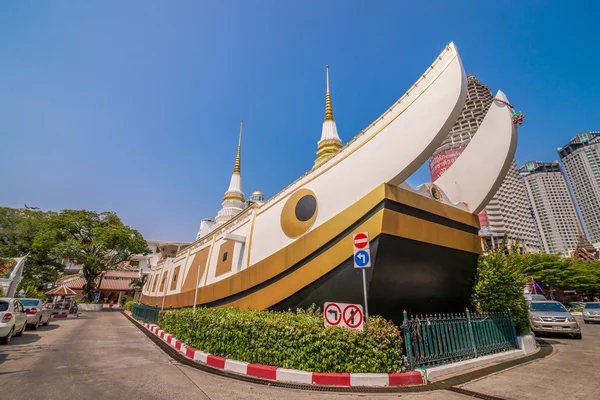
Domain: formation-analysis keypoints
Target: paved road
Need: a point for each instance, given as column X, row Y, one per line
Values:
column 571, row 372
column 105, row 357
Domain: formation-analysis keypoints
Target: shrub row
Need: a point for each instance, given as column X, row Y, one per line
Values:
column 296, row 340
column 129, row 305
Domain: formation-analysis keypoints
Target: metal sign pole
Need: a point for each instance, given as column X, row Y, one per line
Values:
column 362, row 260
column 365, row 293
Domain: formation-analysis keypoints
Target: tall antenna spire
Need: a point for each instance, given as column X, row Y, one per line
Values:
column 237, row 166
column 328, row 108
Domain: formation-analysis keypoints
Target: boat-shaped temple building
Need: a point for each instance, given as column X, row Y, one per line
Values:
column 296, row 248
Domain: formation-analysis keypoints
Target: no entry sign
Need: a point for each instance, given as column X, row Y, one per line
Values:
column 345, row 315
column 361, row 240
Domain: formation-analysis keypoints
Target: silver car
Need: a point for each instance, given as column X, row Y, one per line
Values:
column 591, row 312
column 38, row 312
column 551, row 316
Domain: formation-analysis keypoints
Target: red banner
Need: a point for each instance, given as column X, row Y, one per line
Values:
column 484, row 222
column 439, row 163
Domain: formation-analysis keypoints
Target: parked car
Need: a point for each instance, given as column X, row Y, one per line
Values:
column 13, row 319
column 591, row 312
column 65, row 307
column 572, row 306
column 38, row 312
column 534, row 297
column 551, row 316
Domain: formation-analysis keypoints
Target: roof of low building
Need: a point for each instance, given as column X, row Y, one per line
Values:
column 62, row 291
column 6, row 267
column 114, row 284
column 107, row 284
column 122, row 274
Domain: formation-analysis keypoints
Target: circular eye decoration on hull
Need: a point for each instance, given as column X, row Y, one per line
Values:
column 435, row 192
column 299, row 213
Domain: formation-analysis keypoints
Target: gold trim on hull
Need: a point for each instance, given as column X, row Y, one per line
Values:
column 384, row 221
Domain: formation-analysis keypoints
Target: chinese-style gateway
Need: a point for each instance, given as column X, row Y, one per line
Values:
column 295, row 248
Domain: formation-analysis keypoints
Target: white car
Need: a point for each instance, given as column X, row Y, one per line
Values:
column 13, row 319
column 38, row 312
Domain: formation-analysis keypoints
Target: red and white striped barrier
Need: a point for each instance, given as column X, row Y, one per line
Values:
column 289, row 375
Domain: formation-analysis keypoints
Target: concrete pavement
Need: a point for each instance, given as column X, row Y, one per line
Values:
column 105, row 356
column 571, row 372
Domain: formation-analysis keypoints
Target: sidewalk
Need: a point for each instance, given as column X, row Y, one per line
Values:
column 105, row 307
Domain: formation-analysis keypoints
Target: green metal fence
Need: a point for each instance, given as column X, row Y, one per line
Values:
column 145, row 313
column 445, row 338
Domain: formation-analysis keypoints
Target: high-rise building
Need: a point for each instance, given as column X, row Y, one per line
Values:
column 552, row 206
column 581, row 158
column 508, row 212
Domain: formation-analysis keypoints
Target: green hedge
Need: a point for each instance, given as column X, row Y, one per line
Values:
column 296, row 340
column 129, row 305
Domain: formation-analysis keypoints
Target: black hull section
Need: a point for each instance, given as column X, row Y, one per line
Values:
column 406, row 275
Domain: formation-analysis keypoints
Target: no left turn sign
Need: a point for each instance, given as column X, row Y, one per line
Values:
column 333, row 314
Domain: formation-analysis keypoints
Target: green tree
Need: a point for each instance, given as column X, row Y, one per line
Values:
column 558, row 272
column 551, row 270
column 499, row 287
column 96, row 241
column 139, row 283
column 584, row 276
column 30, row 290
column 18, row 228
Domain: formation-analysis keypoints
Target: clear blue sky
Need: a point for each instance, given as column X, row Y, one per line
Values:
column 134, row 106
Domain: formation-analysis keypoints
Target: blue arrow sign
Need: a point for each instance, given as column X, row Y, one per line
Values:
column 362, row 259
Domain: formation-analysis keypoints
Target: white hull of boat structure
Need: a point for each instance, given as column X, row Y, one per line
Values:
column 304, row 231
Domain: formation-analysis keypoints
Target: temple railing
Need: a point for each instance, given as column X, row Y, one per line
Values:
column 145, row 313
column 446, row 338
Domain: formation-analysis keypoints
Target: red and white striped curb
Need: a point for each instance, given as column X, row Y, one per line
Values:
column 289, row 375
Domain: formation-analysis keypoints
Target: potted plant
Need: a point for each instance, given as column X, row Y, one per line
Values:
column 86, row 305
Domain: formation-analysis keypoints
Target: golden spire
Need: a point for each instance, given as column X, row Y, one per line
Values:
column 330, row 142
column 235, row 185
column 237, row 167
column 328, row 108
